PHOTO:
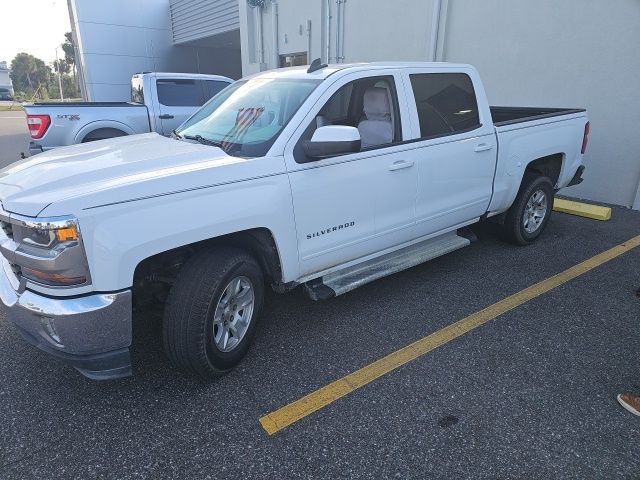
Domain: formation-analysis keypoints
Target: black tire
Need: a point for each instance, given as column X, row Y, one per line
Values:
column 103, row 134
column 513, row 229
column 188, row 326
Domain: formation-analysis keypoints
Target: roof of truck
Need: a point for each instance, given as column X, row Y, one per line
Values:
column 322, row 73
column 180, row 75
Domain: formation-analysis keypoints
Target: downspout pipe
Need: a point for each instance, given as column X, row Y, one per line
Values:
column 275, row 58
column 309, row 39
column 342, row 30
column 338, row 29
column 260, row 42
column 435, row 27
column 328, row 30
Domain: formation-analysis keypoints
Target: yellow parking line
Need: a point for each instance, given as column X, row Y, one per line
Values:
column 597, row 212
column 279, row 419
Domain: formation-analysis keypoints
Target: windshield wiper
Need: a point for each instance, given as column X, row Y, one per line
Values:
column 202, row 140
column 175, row 135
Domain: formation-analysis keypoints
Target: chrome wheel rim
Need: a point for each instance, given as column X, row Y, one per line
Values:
column 233, row 314
column 535, row 211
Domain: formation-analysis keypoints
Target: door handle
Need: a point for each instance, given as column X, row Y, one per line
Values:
column 400, row 164
column 483, row 147
column 165, row 116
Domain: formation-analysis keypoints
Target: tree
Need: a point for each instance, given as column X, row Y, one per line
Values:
column 68, row 86
column 69, row 51
column 29, row 74
column 61, row 66
column 70, row 56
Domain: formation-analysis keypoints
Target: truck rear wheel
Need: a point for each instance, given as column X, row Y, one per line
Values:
column 528, row 216
column 212, row 310
column 103, row 134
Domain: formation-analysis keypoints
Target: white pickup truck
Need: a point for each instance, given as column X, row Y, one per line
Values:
column 323, row 178
column 160, row 102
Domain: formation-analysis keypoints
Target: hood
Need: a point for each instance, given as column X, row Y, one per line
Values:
column 99, row 172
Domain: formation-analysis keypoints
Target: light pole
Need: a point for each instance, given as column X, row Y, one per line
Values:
column 59, row 75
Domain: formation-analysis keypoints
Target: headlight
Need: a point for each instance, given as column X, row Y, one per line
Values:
column 41, row 236
column 50, row 251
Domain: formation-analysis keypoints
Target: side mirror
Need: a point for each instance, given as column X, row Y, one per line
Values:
column 332, row 140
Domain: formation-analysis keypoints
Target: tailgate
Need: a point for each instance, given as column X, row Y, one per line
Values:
column 53, row 125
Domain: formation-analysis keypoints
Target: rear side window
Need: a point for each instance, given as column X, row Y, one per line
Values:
column 446, row 103
column 179, row 93
column 137, row 93
column 212, row 88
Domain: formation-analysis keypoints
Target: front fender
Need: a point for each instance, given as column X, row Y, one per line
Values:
column 120, row 236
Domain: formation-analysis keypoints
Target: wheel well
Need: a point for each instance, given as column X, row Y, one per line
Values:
column 548, row 166
column 154, row 275
column 103, row 133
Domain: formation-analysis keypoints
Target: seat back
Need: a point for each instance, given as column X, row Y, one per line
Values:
column 377, row 127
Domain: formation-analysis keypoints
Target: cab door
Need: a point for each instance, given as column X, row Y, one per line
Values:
column 178, row 99
column 350, row 206
column 455, row 148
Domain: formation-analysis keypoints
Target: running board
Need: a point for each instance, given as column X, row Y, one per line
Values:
column 350, row 278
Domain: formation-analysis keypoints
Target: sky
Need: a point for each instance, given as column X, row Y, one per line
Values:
column 33, row 26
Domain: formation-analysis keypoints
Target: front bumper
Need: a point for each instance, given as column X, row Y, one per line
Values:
column 91, row 332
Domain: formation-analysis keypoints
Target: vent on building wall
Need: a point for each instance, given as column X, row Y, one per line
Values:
column 256, row 3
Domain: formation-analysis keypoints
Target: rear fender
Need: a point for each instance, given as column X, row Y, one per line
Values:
column 97, row 125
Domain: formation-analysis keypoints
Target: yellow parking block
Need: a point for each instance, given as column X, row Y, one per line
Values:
column 580, row 209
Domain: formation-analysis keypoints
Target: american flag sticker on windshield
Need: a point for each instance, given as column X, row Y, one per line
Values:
column 245, row 118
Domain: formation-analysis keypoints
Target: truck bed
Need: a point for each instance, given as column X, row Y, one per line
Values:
column 74, row 122
column 509, row 115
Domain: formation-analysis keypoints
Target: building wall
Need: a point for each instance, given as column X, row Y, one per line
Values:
column 118, row 38
column 193, row 20
column 374, row 29
column 575, row 53
column 580, row 53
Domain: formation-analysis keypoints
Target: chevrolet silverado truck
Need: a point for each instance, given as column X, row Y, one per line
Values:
column 160, row 102
column 321, row 179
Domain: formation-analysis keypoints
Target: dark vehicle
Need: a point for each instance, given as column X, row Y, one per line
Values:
column 5, row 94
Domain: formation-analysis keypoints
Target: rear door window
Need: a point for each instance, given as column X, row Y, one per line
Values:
column 179, row 93
column 446, row 103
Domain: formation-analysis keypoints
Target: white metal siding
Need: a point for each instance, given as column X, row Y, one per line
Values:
column 196, row 19
column 574, row 53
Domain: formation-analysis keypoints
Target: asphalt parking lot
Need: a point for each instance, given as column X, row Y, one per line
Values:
column 530, row 394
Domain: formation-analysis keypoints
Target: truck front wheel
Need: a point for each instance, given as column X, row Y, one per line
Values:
column 528, row 216
column 212, row 310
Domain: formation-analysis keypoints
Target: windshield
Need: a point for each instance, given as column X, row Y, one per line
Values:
column 247, row 116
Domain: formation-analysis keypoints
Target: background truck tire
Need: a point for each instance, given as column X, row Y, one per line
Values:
column 513, row 230
column 197, row 296
column 103, row 134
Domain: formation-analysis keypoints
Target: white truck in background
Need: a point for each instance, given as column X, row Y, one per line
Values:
column 160, row 102
column 323, row 178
